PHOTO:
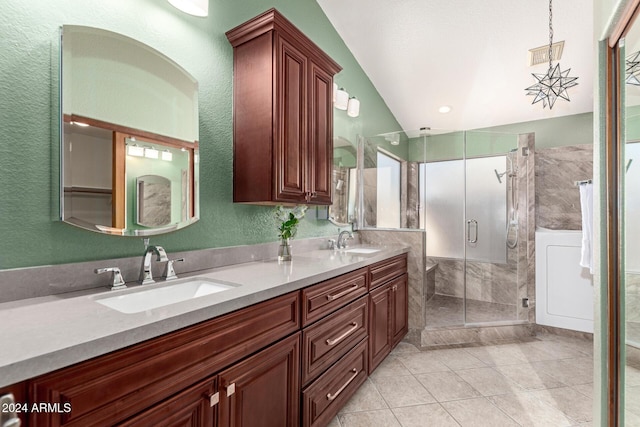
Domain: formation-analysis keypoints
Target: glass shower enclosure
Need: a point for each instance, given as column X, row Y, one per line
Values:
column 465, row 189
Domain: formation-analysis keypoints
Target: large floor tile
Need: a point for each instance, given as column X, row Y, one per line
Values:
column 478, row 413
column 422, row 363
column 632, row 399
column 488, row 381
column 367, row 398
column 536, row 351
column 335, row 422
column 402, row 391
column 458, row 358
column 446, row 386
column 505, row 354
column 572, row 403
column 390, row 367
column 432, row 415
column 527, row 410
column 586, row 389
column 405, row 347
column 568, row 371
column 528, row 377
column 379, row 418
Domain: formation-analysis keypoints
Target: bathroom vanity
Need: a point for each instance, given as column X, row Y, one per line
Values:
column 293, row 359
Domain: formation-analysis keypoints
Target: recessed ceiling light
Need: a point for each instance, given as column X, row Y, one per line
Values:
column 444, row 109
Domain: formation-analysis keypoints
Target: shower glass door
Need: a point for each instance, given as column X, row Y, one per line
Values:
column 491, row 227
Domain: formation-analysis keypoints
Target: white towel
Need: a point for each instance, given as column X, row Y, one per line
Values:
column 586, row 205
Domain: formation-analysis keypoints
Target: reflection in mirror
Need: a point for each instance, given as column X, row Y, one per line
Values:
column 128, row 113
column 630, row 180
column 342, row 211
column 154, row 201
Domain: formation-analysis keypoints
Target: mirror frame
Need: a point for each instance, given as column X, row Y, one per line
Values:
column 120, row 134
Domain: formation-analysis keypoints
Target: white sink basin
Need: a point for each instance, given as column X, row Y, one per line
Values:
column 362, row 251
column 159, row 295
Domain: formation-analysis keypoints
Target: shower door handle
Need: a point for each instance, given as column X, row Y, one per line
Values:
column 475, row 229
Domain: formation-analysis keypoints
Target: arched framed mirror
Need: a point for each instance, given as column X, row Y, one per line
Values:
column 127, row 112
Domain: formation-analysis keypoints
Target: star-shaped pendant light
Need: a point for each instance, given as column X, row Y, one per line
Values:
column 555, row 82
column 633, row 69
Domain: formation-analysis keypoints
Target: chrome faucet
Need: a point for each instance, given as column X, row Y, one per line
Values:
column 342, row 240
column 145, row 271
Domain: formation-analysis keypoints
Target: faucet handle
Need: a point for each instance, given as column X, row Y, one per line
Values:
column 332, row 244
column 117, row 282
column 169, row 272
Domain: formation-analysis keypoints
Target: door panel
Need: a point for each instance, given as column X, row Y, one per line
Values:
column 291, row 152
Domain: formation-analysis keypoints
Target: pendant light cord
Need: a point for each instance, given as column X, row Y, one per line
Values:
column 550, row 35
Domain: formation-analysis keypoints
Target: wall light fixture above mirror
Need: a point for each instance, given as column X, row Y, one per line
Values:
column 192, row 7
column 128, row 113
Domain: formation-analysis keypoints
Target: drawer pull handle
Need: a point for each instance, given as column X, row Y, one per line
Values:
column 343, row 293
column 333, row 341
column 331, row 397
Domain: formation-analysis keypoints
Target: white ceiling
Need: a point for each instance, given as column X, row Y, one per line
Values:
column 469, row 54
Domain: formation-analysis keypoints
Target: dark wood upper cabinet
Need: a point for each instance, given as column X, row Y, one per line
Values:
column 282, row 114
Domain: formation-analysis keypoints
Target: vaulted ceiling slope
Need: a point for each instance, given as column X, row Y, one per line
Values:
column 471, row 55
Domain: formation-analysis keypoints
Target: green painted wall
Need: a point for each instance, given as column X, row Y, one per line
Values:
column 559, row 131
column 28, row 121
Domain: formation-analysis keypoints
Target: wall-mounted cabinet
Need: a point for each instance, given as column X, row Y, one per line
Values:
column 282, row 114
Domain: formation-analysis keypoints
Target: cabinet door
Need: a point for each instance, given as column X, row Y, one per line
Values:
column 194, row 407
column 320, row 136
column 290, row 147
column 400, row 320
column 380, row 311
column 263, row 390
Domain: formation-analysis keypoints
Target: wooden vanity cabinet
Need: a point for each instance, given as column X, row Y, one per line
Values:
column 189, row 408
column 388, row 308
column 263, row 390
column 334, row 344
column 289, row 361
column 282, row 114
column 112, row 388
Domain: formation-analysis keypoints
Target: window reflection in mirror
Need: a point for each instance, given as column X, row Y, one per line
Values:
column 121, row 98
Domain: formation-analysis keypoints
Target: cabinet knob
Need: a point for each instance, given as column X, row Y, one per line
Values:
column 231, row 388
column 214, row 399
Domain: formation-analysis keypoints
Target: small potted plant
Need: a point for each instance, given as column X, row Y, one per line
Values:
column 288, row 220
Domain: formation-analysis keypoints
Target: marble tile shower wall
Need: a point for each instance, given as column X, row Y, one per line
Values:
column 557, row 197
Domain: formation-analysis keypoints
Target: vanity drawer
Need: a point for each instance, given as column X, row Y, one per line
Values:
column 111, row 388
column 322, row 400
column 326, row 297
column 325, row 342
column 384, row 271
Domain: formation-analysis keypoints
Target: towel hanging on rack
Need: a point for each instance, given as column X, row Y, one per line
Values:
column 586, row 206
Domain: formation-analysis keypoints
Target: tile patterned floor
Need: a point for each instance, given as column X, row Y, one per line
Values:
column 547, row 381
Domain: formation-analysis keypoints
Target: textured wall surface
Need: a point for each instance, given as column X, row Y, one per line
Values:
column 29, row 49
column 557, row 197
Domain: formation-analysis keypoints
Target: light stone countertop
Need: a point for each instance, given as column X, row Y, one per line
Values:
column 47, row 333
